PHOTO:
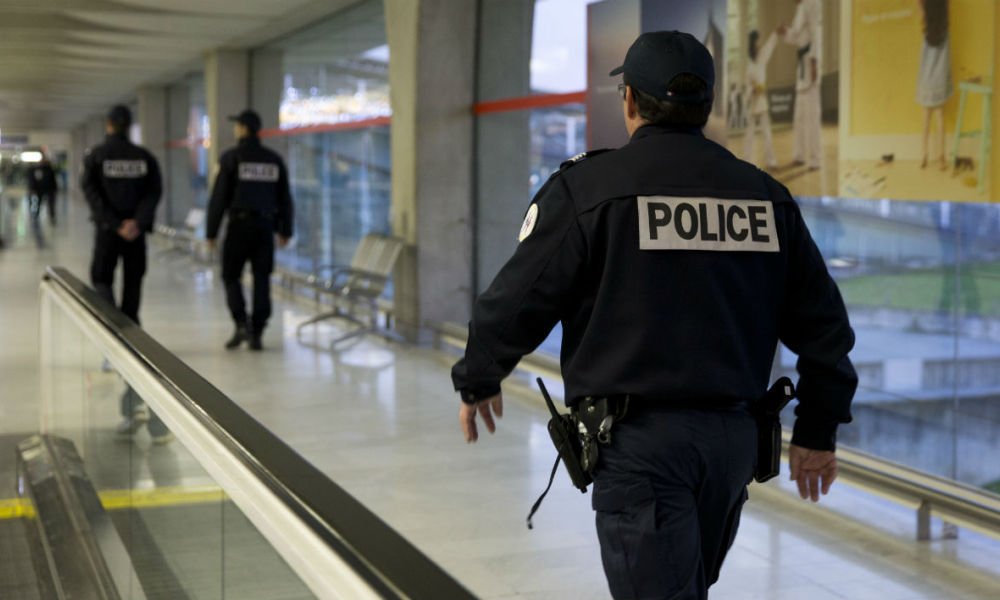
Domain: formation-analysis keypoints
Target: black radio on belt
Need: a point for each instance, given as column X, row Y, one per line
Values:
column 767, row 412
column 565, row 433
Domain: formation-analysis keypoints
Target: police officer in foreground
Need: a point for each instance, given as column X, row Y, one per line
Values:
column 252, row 186
column 121, row 182
column 675, row 269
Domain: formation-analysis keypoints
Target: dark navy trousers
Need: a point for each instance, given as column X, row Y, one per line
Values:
column 668, row 492
column 250, row 240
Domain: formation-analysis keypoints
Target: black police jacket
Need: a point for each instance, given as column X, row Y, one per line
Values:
column 121, row 181
column 252, row 179
column 42, row 179
column 675, row 269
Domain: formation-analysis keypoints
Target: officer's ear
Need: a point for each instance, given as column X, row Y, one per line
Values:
column 631, row 107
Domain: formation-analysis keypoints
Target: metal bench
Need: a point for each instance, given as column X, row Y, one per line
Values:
column 357, row 286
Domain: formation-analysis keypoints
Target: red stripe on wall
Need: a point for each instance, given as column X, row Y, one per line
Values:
column 529, row 102
column 483, row 108
column 185, row 143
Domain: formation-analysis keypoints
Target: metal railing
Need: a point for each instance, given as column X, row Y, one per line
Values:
column 338, row 547
column 954, row 502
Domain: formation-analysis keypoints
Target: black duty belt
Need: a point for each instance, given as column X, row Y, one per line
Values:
column 243, row 214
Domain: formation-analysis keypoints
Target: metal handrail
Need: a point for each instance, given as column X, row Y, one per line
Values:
column 389, row 564
column 955, row 502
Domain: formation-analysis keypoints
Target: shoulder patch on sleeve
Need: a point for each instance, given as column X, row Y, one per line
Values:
column 530, row 219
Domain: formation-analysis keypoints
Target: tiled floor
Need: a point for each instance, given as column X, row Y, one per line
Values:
column 380, row 419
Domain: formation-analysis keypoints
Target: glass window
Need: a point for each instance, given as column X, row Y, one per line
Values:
column 335, row 120
column 337, row 71
column 559, row 46
column 921, row 280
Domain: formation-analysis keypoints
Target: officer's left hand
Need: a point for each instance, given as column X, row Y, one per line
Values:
column 813, row 470
column 282, row 241
column 486, row 409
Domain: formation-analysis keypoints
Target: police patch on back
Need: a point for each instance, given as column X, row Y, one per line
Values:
column 714, row 224
column 258, row 172
column 124, row 169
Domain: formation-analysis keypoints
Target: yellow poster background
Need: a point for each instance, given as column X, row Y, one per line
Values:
column 882, row 128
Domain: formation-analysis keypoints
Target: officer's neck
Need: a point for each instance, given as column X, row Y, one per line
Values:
column 647, row 129
column 248, row 140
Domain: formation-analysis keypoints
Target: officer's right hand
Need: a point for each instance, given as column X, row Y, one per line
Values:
column 467, row 416
column 813, row 470
column 210, row 242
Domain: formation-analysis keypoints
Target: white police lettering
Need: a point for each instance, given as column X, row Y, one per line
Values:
column 124, row 169
column 674, row 223
column 529, row 223
column 258, row 172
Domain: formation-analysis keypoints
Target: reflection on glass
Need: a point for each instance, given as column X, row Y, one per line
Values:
column 184, row 537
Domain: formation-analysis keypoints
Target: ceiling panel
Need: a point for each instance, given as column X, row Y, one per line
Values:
column 61, row 60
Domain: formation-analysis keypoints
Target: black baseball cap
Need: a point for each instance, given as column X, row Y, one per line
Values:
column 120, row 116
column 657, row 57
column 248, row 118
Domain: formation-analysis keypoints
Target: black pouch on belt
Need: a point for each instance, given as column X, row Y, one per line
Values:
column 767, row 412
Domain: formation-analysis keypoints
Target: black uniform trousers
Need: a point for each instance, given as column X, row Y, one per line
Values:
column 249, row 239
column 108, row 248
column 42, row 198
column 668, row 493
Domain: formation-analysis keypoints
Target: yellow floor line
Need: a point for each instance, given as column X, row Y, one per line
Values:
column 17, row 508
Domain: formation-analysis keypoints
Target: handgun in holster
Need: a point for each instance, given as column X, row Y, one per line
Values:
column 767, row 412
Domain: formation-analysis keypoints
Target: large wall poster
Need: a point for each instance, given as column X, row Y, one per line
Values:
column 783, row 108
column 911, row 63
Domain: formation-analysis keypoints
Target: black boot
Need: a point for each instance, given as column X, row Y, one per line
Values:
column 239, row 336
column 255, row 343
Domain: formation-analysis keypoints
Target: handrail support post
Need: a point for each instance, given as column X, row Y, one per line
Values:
column 924, row 521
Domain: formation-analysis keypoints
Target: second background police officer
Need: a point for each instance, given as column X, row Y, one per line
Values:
column 675, row 269
column 252, row 187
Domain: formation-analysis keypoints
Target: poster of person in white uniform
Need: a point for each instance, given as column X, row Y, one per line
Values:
column 758, row 109
column 805, row 34
column 785, row 55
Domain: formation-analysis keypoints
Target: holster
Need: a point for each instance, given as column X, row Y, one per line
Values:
column 767, row 412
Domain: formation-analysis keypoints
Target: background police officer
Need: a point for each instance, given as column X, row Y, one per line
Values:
column 122, row 184
column 252, row 185
column 42, row 188
column 675, row 269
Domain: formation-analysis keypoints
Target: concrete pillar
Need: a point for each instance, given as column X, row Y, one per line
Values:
column 503, row 165
column 227, row 92
column 152, row 118
column 74, row 164
column 267, row 82
column 95, row 132
column 431, row 78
